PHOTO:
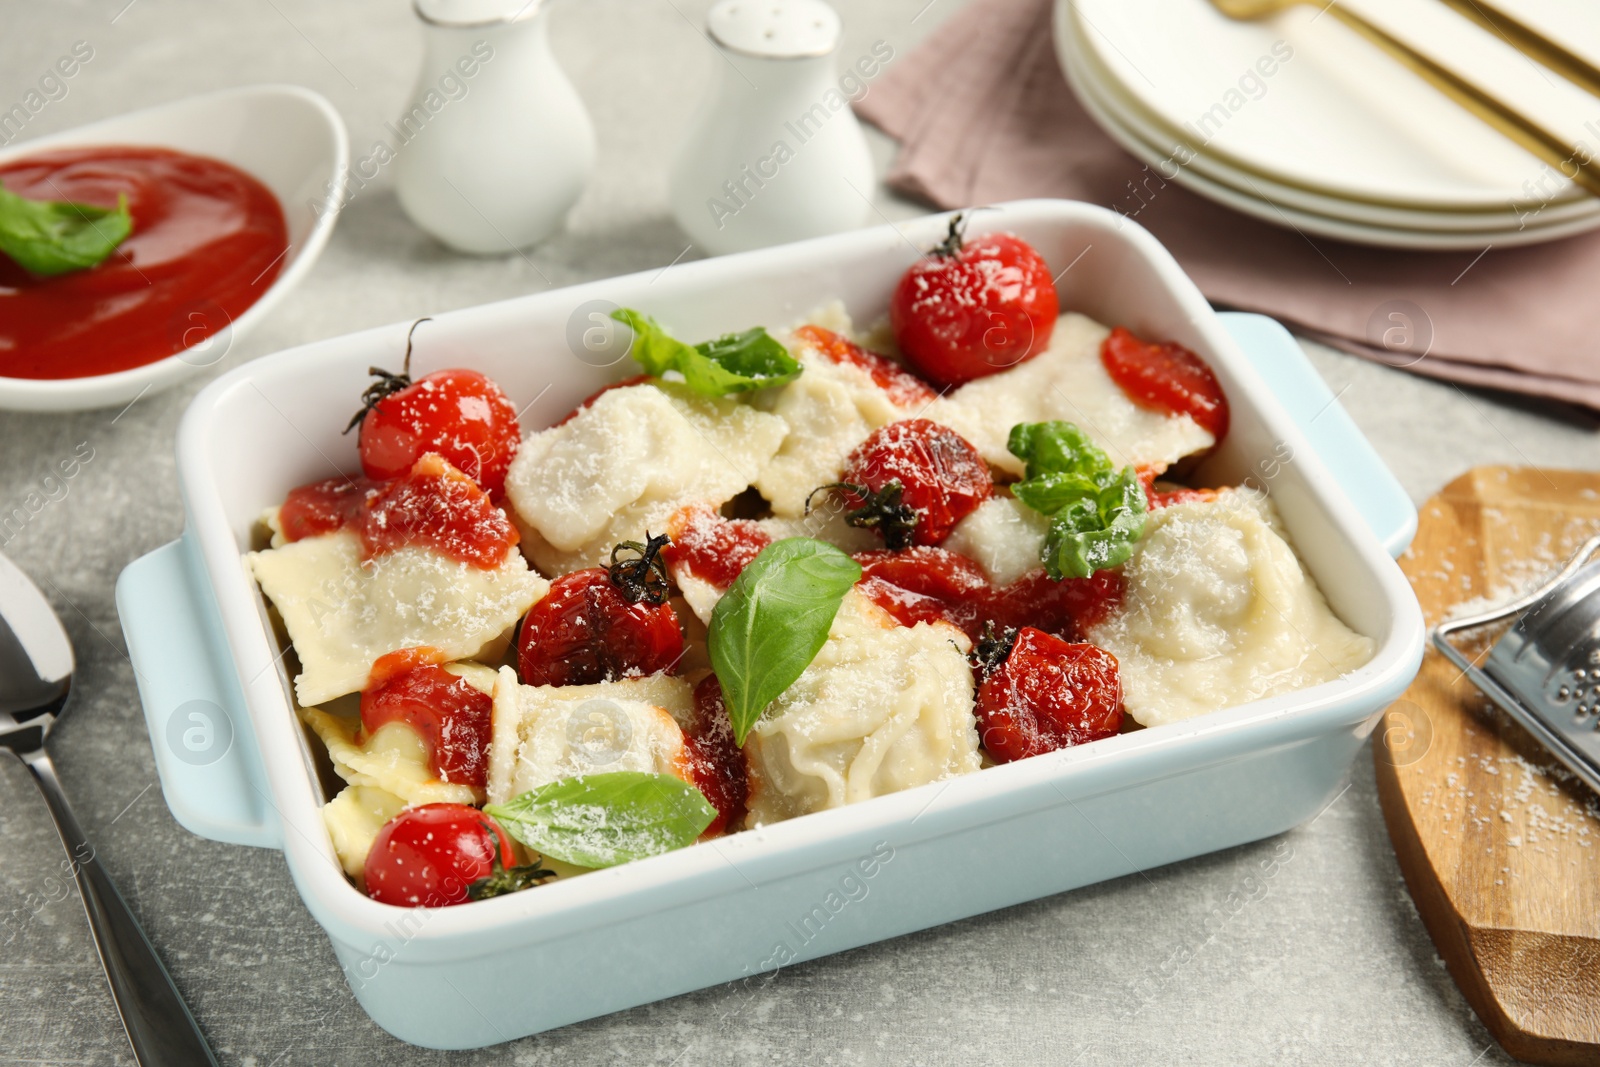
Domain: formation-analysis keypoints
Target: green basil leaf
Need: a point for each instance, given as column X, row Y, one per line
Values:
column 1096, row 531
column 772, row 621
column 601, row 820
column 1056, row 448
column 56, row 236
column 1097, row 512
column 733, row 363
column 1049, row 493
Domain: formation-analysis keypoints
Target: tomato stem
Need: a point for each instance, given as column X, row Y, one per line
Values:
column 993, row 648
column 882, row 510
column 643, row 579
column 388, row 382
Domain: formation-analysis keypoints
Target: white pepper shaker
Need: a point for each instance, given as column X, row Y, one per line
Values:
column 775, row 153
column 495, row 145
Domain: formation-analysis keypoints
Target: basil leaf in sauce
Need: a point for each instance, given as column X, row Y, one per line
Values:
column 56, row 236
column 732, row 363
column 1097, row 513
column 601, row 820
column 773, row 620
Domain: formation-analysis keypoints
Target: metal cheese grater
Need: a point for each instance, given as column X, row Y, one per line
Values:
column 1545, row 670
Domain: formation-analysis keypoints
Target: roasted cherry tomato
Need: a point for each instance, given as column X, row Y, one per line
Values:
column 603, row 623
column 431, row 856
column 974, row 308
column 458, row 413
column 450, row 715
column 716, row 765
column 1166, row 377
column 1040, row 693
column 912, row 481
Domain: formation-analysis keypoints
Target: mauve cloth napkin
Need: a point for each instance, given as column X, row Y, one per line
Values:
column 983, row 114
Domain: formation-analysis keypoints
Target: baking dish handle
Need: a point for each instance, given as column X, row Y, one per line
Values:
column 1355, row 464
column 200, row 732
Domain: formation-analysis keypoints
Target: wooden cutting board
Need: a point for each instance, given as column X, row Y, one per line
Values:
column 1500, row 847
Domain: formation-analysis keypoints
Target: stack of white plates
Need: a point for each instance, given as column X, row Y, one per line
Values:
column 1300, row 121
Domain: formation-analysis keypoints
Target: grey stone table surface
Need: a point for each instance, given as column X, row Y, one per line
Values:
column 1203, row 962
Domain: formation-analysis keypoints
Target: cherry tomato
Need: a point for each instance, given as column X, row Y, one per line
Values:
column 974, row 308
column 586, row 631
column 904, row 388
column 430, row 856
column 1045, row 694
column 1166, row 377
column 451, row 716
column 942, row 481
column 716, row 765
column 460, row 414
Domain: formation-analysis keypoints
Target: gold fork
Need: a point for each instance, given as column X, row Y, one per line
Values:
column 1530, row 42
column 1576, row 162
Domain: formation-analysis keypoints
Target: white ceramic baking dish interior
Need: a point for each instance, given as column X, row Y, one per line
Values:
column 236, row 766
column 287, row 137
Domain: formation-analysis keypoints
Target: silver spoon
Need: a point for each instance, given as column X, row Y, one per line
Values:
column 36, row 665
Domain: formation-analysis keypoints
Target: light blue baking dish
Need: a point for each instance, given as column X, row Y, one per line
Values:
column 235, row 766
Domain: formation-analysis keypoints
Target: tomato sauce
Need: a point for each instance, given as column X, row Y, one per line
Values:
column 208, row 240
column 712, row 548
column 904, row 388
column 1166, row 377
column 452, row 718
column 433, row 505
column 933, row 584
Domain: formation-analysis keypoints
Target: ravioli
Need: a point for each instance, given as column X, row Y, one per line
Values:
column 829, row 410
column 394, row 758
column 1218, row 612
column 1067, row 381
column 544, row 733
column 626, row 463
column 342, row 613
column 1003, row 536
column 354, row 818
column 883, row 707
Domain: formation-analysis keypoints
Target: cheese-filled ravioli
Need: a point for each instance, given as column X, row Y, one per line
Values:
column 626, row 462
column 344, row 611
column 1218, row 611
column 354, row 818
column 1004, row 536
column 544, row 733
column 845, row 393
column 1068, row 381
column 883, row 707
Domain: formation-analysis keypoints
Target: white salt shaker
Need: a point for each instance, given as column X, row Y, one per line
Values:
column 495, row 145
column 775, row 153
